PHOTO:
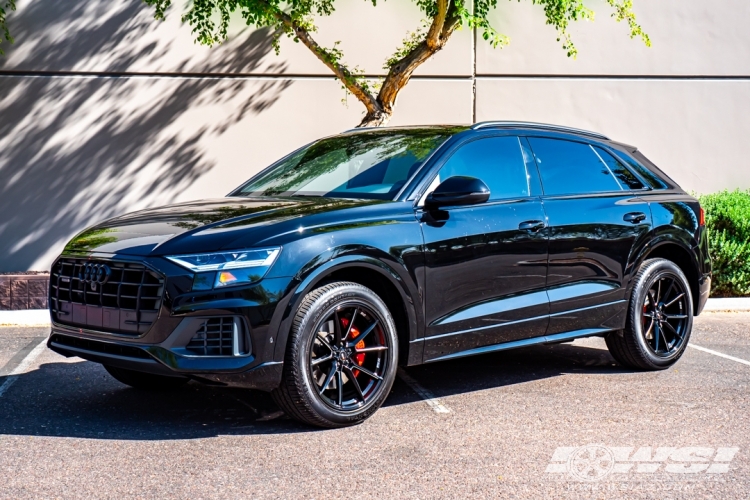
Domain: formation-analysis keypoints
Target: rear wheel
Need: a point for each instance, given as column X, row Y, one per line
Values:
column 145, row 381
column 341, row 358
column 660, row 318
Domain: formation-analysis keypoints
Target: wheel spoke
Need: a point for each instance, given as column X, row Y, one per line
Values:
column 364, row 334
column 324, row 341
column 323, row 359
column 656, row 336
column 336, row 328
column 674, row 300
column 370, row 349
column 664, row 336
column 355, row 383
column 351, row 323
column 650, row 326
column 329, row 377
column 369, row 373
column 658, row 291
column 341, row 387
column 669, row 290
column 673, row 329
column 675, row 316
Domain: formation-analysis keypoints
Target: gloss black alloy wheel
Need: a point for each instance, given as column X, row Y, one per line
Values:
column 341, row 357
column 664, row 315
column 348, row 357
column 659, row 320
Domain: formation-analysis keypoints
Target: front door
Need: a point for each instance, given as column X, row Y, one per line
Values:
column 486, row 264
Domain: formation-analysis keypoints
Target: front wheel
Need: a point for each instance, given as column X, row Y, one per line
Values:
column 341, row 357
column 660, row 318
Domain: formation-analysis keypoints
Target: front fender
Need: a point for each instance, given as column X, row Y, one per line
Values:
column 311, row 275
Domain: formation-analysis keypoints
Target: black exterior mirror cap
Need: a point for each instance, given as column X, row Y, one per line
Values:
column 458, row 190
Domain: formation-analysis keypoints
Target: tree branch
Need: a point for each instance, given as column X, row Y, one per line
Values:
column 446, row 20
column 433, row 35
column 342, row 72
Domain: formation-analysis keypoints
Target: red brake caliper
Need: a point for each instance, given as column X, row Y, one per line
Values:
column 358, row 358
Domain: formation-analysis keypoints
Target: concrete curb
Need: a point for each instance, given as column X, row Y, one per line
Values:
column 40, row 317
column 28, row 317
column 736, row 304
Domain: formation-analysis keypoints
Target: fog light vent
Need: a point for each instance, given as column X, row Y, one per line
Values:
column 224, row 336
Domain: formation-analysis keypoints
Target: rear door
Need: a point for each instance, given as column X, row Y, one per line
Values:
column 596, row 219
column 486, row 264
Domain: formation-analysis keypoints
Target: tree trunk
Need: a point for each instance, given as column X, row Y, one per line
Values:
column 377, row 118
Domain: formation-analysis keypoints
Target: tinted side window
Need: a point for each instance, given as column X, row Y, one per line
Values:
column 495, row 160
column 568, row 167
column 625, row 177
column 651, row 178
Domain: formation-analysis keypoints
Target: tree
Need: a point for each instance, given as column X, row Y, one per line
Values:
column 5, row 7
column 294, row 18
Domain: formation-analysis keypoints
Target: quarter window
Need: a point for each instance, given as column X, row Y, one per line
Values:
column 497, row 161
column 568, row 167
column 624, row 176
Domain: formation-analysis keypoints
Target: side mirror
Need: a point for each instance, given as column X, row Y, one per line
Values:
column 458, row 190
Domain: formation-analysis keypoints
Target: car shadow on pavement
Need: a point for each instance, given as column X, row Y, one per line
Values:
column 79, row 399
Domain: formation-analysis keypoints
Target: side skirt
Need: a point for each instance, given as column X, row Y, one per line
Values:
column 546, row 339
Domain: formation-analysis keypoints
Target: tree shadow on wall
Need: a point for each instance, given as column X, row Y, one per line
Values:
column 74, row 150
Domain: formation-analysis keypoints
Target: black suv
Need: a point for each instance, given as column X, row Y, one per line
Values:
column 384, row 247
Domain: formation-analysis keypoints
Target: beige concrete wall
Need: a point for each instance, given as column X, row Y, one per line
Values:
column 104, row 111
column 691, row 129
column 76, row 150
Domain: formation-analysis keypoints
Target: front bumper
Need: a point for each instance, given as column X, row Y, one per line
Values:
column 240, row 372
column 164, row 348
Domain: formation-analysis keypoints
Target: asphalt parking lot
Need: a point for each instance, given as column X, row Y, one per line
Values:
column 542, row 422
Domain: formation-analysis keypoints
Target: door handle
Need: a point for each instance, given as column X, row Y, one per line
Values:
column 531, row 225
column 634, row 217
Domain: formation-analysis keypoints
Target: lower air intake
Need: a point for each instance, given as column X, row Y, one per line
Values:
column 222, row 336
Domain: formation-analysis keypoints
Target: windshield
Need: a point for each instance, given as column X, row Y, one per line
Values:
column 369, row 165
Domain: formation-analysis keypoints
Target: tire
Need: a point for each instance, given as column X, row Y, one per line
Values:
column 146, row 381
column 325, row 380
column 659, row 320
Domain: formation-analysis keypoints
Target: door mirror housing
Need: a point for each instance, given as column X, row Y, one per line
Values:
column 458, row 190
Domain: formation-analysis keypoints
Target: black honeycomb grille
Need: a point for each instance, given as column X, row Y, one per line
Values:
column 128, row 302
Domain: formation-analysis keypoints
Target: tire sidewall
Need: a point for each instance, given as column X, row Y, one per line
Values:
column 655, row 271
column 321, row 308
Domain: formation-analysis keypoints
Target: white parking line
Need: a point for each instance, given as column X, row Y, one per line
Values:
column 22, row 366
column 428, row 397
column 720, row 354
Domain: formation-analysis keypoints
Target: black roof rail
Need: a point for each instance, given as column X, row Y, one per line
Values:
column 541, row 126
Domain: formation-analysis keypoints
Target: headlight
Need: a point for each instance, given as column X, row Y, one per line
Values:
column 228, row 268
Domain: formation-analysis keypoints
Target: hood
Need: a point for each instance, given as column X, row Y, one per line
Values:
column 201, row 226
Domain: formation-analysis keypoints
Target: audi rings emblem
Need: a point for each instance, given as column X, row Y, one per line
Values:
column 96, row 274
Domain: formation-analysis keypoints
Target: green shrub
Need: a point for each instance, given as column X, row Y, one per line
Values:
column 728, row 223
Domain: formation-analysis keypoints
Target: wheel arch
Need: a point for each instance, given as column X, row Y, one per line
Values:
column 376, row 275
column 675, row 251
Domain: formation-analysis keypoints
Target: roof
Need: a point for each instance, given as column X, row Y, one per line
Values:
column 487, row 124
column 541, row 126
